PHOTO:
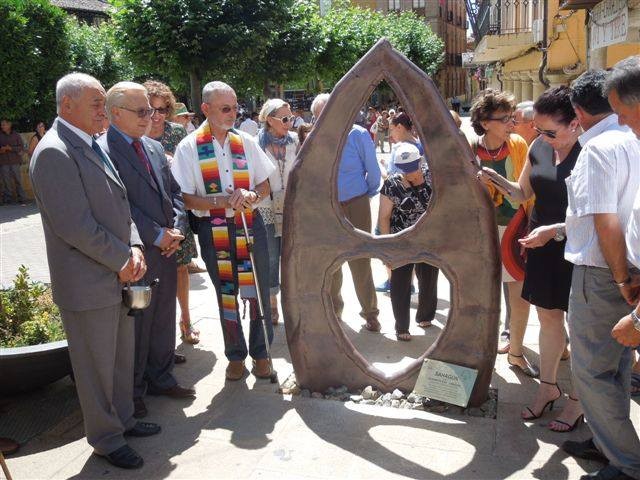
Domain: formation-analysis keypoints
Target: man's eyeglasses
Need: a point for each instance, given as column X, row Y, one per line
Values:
column 162, row 111
column 504, row 120
column 547, row 133
column 227, row 108
column 141, row 112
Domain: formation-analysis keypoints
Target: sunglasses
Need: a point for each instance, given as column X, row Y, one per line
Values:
column 162, row 111
column 504, row 120
column 141, row 112
column 227, row 109
column 547, row 133
column 284, row 119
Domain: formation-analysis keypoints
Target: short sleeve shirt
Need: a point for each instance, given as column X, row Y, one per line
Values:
column 409, row 203
column 186, row 166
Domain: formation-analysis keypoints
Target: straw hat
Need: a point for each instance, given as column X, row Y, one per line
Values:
column 181, row 109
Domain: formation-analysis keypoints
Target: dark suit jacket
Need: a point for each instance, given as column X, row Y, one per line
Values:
column 86, row 220
column 154, row 204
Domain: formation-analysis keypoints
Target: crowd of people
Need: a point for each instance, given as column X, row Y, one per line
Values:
column 139, row 188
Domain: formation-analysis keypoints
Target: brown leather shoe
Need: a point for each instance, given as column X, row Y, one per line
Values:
column 8, row 446
column 177, row 391
column 261, row 368
column 235, row 370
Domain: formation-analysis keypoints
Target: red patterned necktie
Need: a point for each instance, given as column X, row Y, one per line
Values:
column 137, row 146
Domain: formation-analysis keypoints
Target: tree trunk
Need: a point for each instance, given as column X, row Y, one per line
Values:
column 196, row 92
column 266, row 89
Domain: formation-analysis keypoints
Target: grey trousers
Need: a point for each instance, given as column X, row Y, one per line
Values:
column 156, row 327
column 10, row 182
column 101, row 349
column 601, row 366
column 358, row 212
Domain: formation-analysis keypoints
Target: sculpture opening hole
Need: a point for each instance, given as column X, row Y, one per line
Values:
column 390, row 349
column 384, row 160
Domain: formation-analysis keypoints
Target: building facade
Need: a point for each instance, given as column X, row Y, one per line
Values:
column 448, row 20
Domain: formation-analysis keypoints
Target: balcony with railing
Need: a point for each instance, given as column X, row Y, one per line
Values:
column 505, row 28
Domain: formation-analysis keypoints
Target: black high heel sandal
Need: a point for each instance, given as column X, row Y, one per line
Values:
column 529, row 370
column 571, row 428
column 549, row 404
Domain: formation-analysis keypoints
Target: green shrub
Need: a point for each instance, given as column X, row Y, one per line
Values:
column 28, row 315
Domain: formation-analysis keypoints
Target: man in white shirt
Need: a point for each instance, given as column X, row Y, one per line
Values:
column 250, row 125
column 601, row 190
column 220, row 105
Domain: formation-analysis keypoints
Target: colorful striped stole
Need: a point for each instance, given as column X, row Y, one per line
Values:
column 228, row 266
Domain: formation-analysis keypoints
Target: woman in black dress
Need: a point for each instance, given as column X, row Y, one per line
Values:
column 547, row 281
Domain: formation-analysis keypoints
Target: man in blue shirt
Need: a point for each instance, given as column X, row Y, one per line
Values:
column 358, row 180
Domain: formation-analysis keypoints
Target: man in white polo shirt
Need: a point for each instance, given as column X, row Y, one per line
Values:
column 601, row 192
column 220, row 172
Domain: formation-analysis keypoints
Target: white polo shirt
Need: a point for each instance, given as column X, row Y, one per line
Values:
column 605, row 179
column 186, row 167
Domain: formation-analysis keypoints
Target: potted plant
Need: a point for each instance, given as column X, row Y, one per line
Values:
column 33, row 349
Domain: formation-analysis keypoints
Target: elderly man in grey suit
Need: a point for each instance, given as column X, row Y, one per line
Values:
column 158, row 212
column 92, row 248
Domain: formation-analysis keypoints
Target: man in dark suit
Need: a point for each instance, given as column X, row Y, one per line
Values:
column 92, row 248
column 158, row 211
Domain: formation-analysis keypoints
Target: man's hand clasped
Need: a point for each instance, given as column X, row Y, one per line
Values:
column 538, row 237
column 625, row 333
column 135, row 268
column 241, row 198
column 171, row 238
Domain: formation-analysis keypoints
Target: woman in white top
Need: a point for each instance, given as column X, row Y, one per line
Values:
column 280, row 145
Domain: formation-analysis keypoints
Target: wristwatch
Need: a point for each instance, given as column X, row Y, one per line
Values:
column 636, row 320
column 559, row 236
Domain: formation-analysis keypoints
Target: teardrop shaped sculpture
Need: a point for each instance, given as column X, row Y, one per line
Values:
column 457, row 234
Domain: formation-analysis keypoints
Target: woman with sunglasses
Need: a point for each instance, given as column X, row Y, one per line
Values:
column 547, row 281
column 501, row 150
column 280, row 144
column 170, row 134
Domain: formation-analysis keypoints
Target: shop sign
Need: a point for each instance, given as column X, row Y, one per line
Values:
column 609, row 22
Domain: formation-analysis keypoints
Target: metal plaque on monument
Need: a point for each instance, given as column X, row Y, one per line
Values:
column 446, row 382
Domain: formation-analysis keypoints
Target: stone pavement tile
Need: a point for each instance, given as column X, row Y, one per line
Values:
column 248, row 419
column 46, row 457
column 262, row 474
column 310, row 453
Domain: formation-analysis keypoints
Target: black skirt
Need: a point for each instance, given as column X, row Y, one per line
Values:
column 547, row 278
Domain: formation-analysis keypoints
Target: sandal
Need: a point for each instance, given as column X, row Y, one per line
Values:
column 549, row 404
column 424, row 324
column 570, row 428
column 188, row 334
column 529, row 370
column 373, row 325
column 275, row 315
column 403, row 337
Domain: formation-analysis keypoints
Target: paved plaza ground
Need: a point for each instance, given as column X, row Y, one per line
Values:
column 246, row 430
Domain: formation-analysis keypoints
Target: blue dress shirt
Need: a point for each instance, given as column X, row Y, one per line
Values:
column 359, row 172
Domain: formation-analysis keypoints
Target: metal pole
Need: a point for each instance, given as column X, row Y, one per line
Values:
column 274, row 375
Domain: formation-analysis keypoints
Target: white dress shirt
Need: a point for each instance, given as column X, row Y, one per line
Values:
column 605, row 179
column 186, row 167
column 249, row 126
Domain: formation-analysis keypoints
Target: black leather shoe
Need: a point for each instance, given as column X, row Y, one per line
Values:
column 143, row 429
column 139, row 408
column 607, row 473
column 586, row 450
column 124, row 457
column 179, row 358
column 177, row 391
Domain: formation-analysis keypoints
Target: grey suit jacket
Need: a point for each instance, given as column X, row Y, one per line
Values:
column 155, row 202
column 86, row 218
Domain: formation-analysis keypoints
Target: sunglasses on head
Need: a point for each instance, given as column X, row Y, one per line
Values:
column 547, row 133
column 141, row 112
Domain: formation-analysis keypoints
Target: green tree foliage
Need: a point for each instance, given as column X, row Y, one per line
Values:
column 349, row 32
column 194, row 37
column 34, row 54
column 93, row 50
